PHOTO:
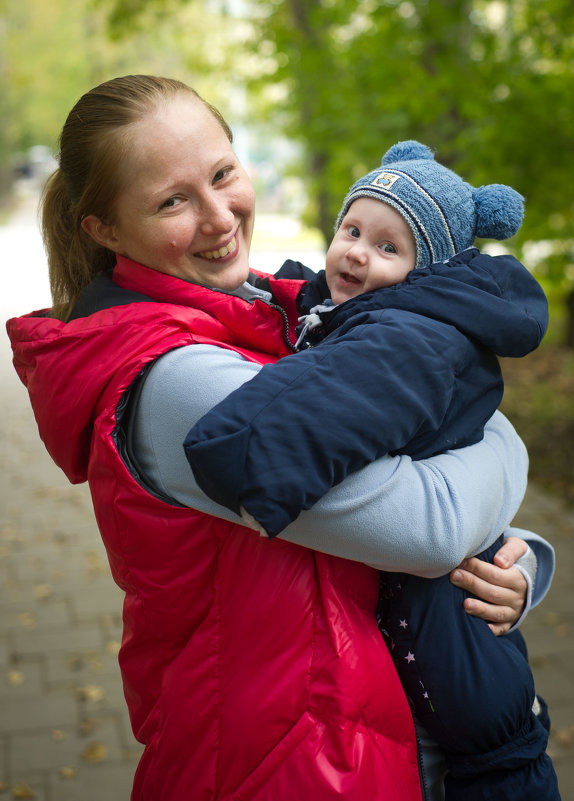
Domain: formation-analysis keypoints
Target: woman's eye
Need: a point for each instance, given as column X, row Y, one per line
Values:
column 220, row 174
column 388, row 248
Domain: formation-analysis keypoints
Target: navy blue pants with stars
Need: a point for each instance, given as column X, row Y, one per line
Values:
column 472, row 691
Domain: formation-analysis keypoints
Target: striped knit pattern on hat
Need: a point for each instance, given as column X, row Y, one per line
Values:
column 444, row 213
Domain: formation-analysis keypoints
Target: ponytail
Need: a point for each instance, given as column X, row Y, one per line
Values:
column 74, row 259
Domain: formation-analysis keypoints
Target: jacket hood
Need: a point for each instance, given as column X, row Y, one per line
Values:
column 68, row 366
column 491, row 299
column 65, row 368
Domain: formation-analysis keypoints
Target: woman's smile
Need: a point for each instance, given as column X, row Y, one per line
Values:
column 221, row 253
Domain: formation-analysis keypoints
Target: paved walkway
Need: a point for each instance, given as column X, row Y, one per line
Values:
column 64, row 730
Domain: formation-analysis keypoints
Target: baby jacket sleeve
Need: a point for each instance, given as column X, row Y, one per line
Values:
column 382, row 383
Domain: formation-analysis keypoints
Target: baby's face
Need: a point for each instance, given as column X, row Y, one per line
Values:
column 373, row 248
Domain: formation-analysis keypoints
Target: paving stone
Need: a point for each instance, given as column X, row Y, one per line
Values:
column 42, row 711
column 3, row 766
column 88, row 782
column 82, row 665
column 5, row 651
column 58, row 639
column 23, row 678
column 42, row 750
column 107, row 601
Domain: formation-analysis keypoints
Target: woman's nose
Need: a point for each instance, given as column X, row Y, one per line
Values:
column 216, row 216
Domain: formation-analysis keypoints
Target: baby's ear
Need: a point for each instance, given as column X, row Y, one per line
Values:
column 499, row 211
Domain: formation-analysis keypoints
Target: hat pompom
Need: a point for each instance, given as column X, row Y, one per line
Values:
column 407, row 151
column 499, row 211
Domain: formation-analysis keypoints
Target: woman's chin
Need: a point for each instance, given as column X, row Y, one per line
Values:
column 228, row 277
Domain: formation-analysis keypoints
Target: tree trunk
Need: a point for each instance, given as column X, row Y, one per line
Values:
column 570, row 320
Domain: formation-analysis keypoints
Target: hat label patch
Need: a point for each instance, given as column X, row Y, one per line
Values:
column 385, row 180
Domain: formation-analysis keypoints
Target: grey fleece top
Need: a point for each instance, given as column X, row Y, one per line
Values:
column 419, row 517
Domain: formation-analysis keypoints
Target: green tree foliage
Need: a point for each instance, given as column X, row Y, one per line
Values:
column 51, row 53
column 487, row 83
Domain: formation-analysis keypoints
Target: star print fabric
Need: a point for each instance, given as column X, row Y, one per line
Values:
column 472, row 691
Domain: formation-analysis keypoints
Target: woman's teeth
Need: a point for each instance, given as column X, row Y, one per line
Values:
column 219, row 254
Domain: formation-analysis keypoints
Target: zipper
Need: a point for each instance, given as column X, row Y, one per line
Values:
column 283, row 314
column 422, row 775
column 380, row 618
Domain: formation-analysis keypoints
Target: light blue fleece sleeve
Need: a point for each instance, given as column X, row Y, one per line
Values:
column 419, row 517
column 537, row 566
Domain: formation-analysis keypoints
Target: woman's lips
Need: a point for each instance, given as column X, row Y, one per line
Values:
column 220, row 253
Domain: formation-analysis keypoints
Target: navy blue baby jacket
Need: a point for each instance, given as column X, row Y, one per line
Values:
column 407, row 369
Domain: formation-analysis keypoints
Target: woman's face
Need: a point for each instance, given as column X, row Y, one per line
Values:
column 187, row 207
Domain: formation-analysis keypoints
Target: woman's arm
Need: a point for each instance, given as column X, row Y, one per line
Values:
column 419, row 517
column 382, row 382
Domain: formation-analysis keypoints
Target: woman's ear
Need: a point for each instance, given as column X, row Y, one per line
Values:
column 102, row 233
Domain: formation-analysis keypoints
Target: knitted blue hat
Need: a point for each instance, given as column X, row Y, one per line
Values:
column 444, row 213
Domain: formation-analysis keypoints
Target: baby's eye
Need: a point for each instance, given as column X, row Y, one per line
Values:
column 171, row 202
column 354, row 231
column 388, row 247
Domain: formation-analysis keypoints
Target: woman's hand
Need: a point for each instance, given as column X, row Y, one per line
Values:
column 501, row 586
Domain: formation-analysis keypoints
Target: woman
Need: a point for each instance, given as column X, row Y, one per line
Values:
column 252, row 669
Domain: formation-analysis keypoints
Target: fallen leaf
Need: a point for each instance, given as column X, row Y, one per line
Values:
column 23, row 791
column 15, row 677
column 43, row 591
column 92, row 693
column 97, row 752
column 68, row 773
column 96, row 664
column 95, row 563
column 564, row 736
column 551, row 618
column 88, row 725
column 27, row 620
column 563, row 630
column 76, row 662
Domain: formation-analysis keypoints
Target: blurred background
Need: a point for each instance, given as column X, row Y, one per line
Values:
column 315, row 91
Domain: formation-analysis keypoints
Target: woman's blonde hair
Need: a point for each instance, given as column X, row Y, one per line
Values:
column 93, row 144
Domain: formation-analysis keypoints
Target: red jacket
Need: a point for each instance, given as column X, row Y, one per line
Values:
column 253, row 669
